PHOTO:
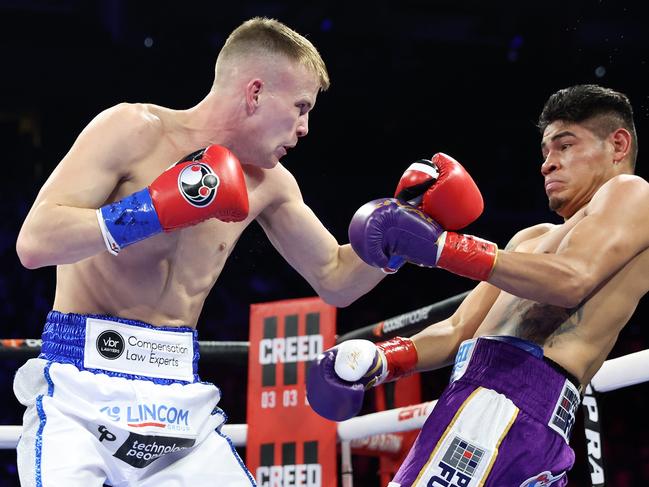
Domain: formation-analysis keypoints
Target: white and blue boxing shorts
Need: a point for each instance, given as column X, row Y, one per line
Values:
column 118, row 402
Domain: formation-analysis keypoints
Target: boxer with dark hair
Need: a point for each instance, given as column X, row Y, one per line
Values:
column 535, row 330
column 139, row 242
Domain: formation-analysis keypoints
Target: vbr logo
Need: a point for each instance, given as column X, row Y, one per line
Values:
column 110, row 344
column 198, row 183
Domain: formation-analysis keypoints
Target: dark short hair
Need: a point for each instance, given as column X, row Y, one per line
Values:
column 604, row 109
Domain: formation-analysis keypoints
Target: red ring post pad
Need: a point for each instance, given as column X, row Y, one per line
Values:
column 288, row 443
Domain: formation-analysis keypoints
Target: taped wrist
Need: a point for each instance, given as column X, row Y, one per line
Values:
column 128, row 220
column 400, row 356
column 466, row 255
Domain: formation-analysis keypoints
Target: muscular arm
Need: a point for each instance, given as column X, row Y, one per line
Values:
column 612, row 232
column 62, row 227
column 334, row 271
column 437, row 344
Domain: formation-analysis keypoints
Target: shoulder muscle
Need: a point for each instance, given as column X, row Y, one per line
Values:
column 124, row 132
column 102, row 155
column 528, row 234
column 623, row 191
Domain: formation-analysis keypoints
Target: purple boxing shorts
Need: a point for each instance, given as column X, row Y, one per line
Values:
column 504, row 421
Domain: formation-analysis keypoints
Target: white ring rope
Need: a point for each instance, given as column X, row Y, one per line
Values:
column 615, row 374
column 622, row 372
column 397, row 420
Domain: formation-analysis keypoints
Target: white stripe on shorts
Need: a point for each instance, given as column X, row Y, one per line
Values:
column 468, row 448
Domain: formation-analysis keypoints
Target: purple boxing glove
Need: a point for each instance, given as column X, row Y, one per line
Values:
column 338, row 378
column 385, row 230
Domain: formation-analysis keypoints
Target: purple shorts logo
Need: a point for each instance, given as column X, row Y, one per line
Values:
column 458, row 466
column 543, row 479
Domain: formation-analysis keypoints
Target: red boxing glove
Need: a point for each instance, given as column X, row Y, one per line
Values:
column 443, row 190
column 209, row 184
column 206, row 184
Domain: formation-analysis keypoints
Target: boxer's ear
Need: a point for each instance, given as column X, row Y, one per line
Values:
column 621, row 141
column 254, row 88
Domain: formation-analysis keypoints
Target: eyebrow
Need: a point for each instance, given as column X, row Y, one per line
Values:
column 565, row 133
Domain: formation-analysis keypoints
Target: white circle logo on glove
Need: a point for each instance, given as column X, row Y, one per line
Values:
column 198, row 184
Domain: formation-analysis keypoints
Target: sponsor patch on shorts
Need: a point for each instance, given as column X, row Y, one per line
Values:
column 563, row 418
column 463, row 456
column 458, row 465
column 150, row 416
column 140, row 450
column 119, row 347
column 462, row 359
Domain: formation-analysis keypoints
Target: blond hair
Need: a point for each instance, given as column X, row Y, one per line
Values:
column 264, row 36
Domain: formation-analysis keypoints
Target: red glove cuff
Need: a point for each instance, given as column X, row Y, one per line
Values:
column 467, row 256
column 401, row 357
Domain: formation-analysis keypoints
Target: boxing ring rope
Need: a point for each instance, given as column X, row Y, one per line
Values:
column 375, row 429
column 407, row 324
column 615, row 374
column 236, row 352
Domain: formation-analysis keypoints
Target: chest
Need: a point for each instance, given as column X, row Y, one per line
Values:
column 144, row 171
column 204, row 242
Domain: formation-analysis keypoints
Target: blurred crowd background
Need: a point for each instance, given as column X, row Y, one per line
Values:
column 409, row 78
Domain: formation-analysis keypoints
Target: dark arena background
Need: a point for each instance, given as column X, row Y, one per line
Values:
column 409, row 78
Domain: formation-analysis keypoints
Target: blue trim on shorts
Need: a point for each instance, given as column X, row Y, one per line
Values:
column 236, row 455
column 43, row 417
column 218, row 410
column 525, row 345
column 64, row 339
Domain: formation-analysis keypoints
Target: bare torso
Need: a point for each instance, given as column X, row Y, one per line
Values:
column 163, row 280
column 581, row 338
